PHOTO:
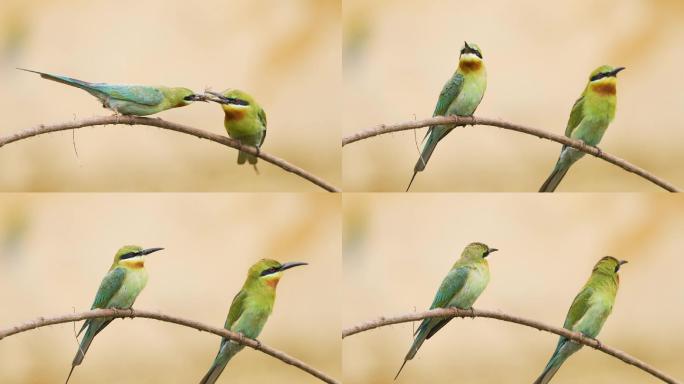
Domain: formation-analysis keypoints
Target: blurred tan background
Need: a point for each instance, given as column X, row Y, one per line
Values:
column 55, row 249
column 285, row 53
column 399, row 54
column 398, row 248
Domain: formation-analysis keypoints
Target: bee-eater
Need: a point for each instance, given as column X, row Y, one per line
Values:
column 588, row 312
column 137, row 100
column 590, row 116
column 460, row 288
column 119, row 289
column 245, row 120
column 249, row 311
column 460, row 96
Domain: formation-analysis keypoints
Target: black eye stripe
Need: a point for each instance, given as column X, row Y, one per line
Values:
column 600, row 76
column 129, row 255
column 269, row 271
column 471, row 50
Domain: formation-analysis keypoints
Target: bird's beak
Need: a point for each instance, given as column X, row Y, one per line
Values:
column 616, row 71
column 149, row 250
column 291, row 265
column 466, row 44
column 223, row 99
column 490, row 251
column 195, row 97
column 622, row 262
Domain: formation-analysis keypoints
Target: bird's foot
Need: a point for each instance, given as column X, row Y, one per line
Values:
column 598, row 343
column 258, row 343
column 599, row 152
column 472, row 312
column 117, row 117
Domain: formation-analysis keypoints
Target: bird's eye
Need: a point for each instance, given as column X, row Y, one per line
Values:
column 269, row 271
column 598, row 76
column 128, row 255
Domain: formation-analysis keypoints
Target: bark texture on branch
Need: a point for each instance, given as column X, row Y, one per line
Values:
column 133, row 313
column 159, row 123
column 460, row 121
column 455, row 312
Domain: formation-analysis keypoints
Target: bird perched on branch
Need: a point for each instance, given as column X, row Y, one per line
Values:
column 249, row 311
column 588, row 312
column 136, row 100
column 120, row 287
column 590, row 116
column 460, row 288
column 460, row 96
column 245, row 120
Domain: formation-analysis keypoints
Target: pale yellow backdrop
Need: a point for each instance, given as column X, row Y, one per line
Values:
column 398, row 248
column 285, row 53
column 55, row 249
column 399, row 54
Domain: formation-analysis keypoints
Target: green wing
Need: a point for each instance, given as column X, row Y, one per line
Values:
column 450, row 287
column 576, row 116
column 138, row 94
column 579, row 307
column 110, row 285
column 235, row 308
column 262, row 118
column 451, row 89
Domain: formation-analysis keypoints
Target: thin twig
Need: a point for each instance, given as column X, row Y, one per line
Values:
column 461, row 121
column 132, row 313
column 455, row 312
column 159, row 123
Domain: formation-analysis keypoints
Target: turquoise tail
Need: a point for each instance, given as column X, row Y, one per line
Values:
column 563, row 351
column 422, row 334
column 226, row 352
column 63, row 79
column 244, row 157
column 94, row 326
column 434, row 135
column 567, row 158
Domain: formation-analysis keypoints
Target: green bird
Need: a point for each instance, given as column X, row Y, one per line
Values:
column 590, row 116
column 120, row 287
column 460, row 96
column 245, row 120
column 588, row 312
column 136, row 100
column 460, row 288
column 249, row 311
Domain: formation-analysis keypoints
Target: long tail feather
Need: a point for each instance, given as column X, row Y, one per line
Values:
column 244, row 157
column 554, row 178
column 423, row 330
column 433, row 136
column 550, row 370
column 411, row 182
column 228, row 350
column 62, row 79
column 564, row 350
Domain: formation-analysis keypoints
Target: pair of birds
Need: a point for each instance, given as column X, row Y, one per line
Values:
column 469, row 276
column 590, row 116
column 248, row 312
column 245, row 120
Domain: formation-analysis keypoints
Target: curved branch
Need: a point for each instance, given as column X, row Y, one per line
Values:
column 455, row 312
column 159, row 123
column 132, row 313
column 461, row 121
